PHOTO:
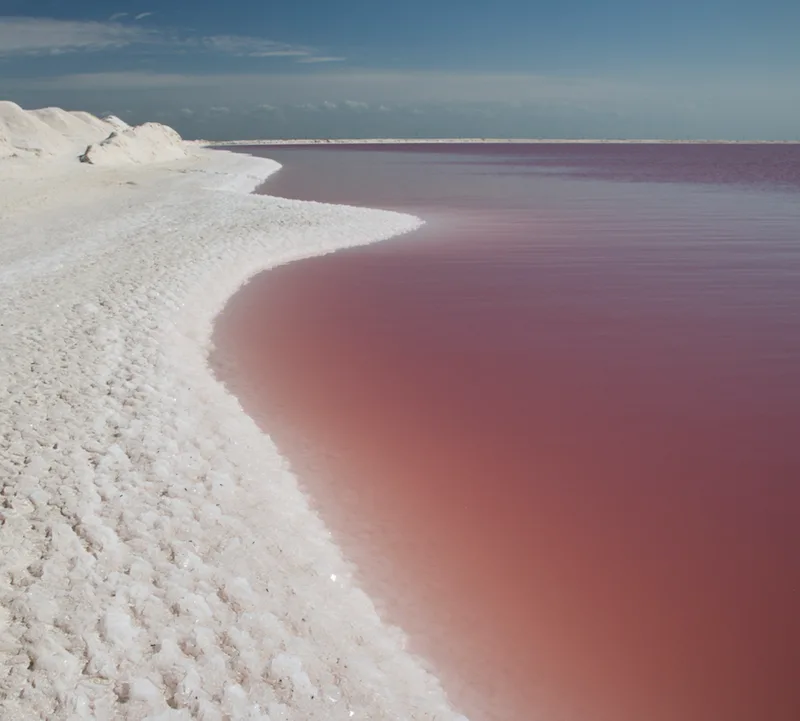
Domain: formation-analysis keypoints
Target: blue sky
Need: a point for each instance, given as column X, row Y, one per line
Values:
column 574, row 68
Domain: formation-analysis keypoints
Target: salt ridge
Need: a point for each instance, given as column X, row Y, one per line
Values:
column 157, row 557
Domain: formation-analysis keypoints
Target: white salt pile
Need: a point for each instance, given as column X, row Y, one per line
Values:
column 146, row 143
column 82, row 128
column 56, row 133
column 116, row 123
column 47, row 132
column 157, row 558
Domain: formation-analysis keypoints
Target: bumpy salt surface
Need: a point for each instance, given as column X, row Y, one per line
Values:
column 157, row 558
column 148, row 143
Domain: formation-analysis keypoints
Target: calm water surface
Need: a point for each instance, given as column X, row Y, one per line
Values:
column 558, row 428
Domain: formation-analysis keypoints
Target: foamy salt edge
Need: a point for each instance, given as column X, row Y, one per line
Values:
column 157, row 558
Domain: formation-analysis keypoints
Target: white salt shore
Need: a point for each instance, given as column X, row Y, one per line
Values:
column 157, row 558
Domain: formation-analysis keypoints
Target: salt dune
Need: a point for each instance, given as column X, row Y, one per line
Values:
column 157, row 558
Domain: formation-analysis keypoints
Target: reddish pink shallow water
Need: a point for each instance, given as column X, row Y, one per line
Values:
column 558, row 428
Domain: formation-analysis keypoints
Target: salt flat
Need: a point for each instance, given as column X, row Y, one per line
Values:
column 157, row 558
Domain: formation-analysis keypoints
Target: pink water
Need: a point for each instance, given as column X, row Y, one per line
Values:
column 558, row 429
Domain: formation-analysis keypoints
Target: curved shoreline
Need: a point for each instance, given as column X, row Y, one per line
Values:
column 158, row 557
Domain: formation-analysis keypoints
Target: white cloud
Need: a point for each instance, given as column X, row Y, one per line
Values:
column 278, row 54
column 42, row 36
column 321, row 59
column 355, row 105
column 252, row 47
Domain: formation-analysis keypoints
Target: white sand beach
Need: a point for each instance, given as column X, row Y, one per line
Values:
column 157, row 557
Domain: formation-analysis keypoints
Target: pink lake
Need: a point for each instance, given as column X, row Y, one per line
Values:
column 558, row 428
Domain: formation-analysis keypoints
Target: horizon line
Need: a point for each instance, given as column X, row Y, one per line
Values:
column 541, row 141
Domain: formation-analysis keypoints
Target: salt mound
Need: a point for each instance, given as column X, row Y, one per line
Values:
column 5, row 144
column 24, row 132
column 80, row 128
column 47, row 132
column 99, row 123
column 148, row 143
column 53, row 132
column 115, row 122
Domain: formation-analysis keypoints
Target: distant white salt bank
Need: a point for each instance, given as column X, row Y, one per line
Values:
column 158, row 559
column 497, row 141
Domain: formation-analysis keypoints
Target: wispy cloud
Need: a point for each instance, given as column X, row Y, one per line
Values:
column 45, row 36
column 321, row 59
column 245, row 46
column 19, row 36
column 356, row 105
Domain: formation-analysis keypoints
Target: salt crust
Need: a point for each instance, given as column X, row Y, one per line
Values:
column 157, row 558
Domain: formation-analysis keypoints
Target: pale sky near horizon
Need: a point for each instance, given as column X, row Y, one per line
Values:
column 327, row 68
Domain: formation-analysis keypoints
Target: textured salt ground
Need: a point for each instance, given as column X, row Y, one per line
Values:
column 157, row 559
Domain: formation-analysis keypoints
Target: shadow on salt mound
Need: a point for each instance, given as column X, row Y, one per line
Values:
column 148, row 143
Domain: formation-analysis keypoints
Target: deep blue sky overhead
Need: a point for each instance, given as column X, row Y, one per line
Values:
column 689, row 68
